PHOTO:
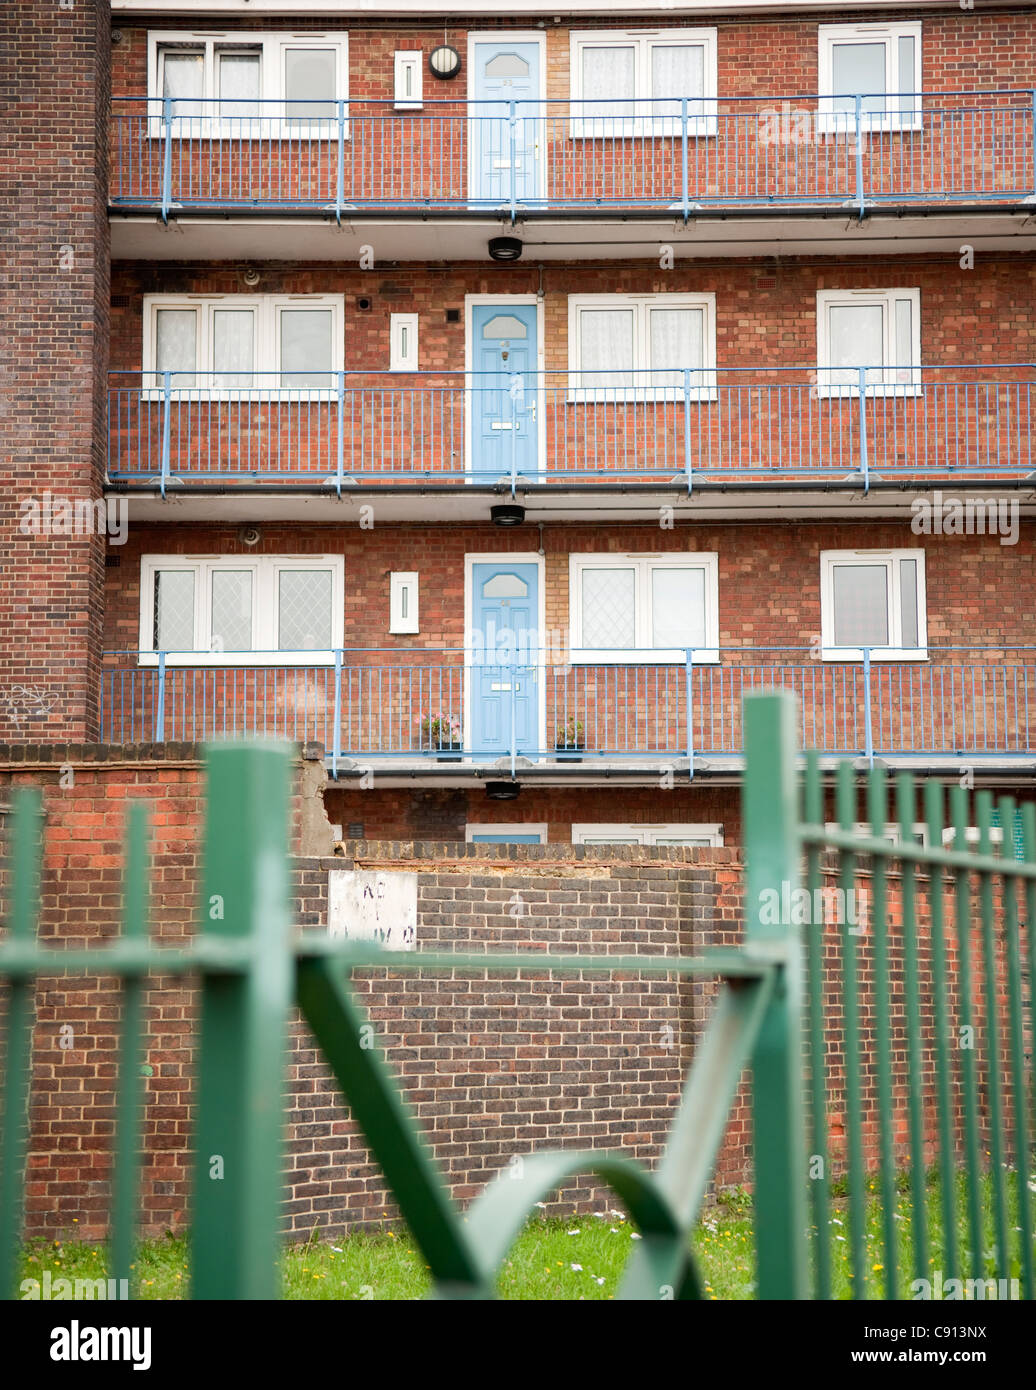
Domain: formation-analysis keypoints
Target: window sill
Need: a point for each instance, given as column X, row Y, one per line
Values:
column 641, row 128
column 662, row 656
column 246, row 129
column 249, row 395
column 873, row 122
column 242, row 660
column 892, row 655
column 640, row 395
column 883, row 389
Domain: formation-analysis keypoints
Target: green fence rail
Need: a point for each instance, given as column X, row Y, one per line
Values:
column 770, row 1013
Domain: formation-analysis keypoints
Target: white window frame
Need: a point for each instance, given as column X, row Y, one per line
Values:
column 891, row 832
column 267, row 310
column 539, row 828
column 702, row 123
column 404, row 583
column 265, row 569
column 404, row 349
column 707, row 561
column 895, row 380
column 973, row 836
column 408, row 65
column 703, row 386
column 273, row 123
column 830, row 121
column 829, row 559
column 586, row 833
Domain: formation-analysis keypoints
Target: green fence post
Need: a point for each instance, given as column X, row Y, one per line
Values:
column 24, row 859
column 244, row 1014
column 772, row 866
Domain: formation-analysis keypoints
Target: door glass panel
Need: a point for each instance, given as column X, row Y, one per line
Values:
column 507, row 65
column 677, row 607
column 309, row 84
column 608, row 81
column 232, row 610
column 176, row 348
column 304, row 610
column 233, row 332
column 505, row 586
column 505, row 326
column 609, row 608
column 858, row 68
column 173, row 629
column 861, row 606
column 305, row 347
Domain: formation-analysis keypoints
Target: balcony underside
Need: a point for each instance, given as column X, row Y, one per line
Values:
column 603, row 502
column 311, row 235
column 717, row 770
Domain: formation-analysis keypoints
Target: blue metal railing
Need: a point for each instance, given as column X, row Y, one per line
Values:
column 668, row 155
column 935, row 422
column 397, row 704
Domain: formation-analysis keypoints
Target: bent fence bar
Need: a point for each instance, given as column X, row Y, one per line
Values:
column 780, row 1003
column 674, row 426
column 958, row 702
column 664, row 156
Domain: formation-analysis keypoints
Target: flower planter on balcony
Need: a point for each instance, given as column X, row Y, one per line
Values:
column 448, row 757
column 569, row 752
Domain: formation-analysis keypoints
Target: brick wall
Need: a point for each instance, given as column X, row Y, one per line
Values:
column 492, row 1068
column 413, row 156
column 769, row 596
column 54, row 293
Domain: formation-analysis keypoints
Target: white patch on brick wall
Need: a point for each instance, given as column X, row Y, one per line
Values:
column 373, row 905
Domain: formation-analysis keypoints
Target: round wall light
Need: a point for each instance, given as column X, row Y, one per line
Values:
column 505, row 248
column 507, row 514
column 444, row 61
column 503, row 791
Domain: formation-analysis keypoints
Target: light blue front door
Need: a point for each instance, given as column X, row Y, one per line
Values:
column 504, row 437
column 506, row 122
column 505, row 656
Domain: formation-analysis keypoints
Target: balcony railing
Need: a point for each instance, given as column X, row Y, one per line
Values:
column 386, row 707
column 661, row 156
column 734, row 424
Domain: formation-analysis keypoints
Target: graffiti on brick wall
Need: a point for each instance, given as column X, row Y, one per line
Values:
column 373, row 905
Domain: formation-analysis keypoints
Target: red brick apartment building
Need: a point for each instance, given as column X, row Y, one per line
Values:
column 487, row 404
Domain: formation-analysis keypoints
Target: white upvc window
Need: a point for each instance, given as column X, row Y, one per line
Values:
column 404, row 610
column 408, row 73
column 881, row 63
column 514, row 833
column 699, row 836
column 873, row 599
column 891, row 832
column 403, row 342
column 237, row 85
column 649, row 347
column 244, row 610
column 632, row 83
column 878, row 330
column 644, row 609
column 257, row 345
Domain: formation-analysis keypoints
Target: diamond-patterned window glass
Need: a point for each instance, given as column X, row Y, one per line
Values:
column 232, row 610
column 677, row 607
column 174, row 611
column 609, row 608
column 861, row 606
column 304, row 610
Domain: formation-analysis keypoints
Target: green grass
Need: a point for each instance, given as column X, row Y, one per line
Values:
column 581, row 1258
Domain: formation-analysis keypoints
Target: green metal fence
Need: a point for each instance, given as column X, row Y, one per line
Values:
column 769, row 1013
